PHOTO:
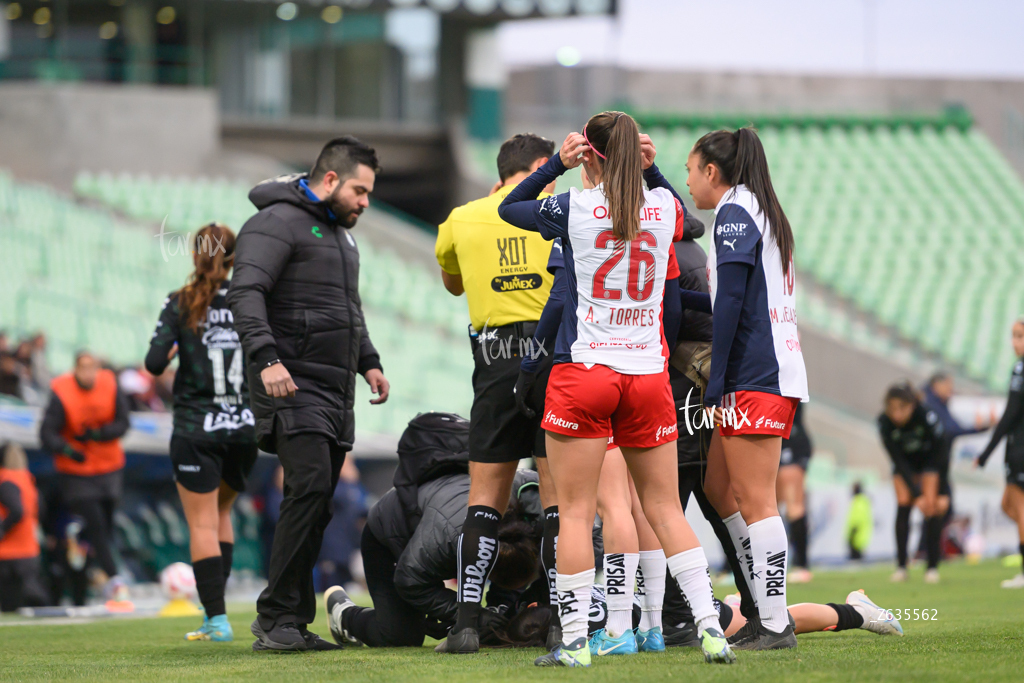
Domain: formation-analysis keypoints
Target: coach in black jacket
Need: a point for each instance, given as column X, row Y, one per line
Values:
column 405, row 573
column 295, row 301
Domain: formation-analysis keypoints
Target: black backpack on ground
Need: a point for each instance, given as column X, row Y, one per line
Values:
column 432, row 446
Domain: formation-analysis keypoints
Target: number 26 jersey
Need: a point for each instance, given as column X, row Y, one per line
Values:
column 613, row 316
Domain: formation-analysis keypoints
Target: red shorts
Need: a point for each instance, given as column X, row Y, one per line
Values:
column 599, row 402
column 757, row 412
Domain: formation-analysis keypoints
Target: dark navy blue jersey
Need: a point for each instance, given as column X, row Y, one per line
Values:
column 763, row 351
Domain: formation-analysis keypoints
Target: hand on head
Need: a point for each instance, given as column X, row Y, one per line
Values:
column 574, row 149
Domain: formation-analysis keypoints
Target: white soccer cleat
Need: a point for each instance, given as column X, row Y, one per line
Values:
column 1015, row 582
column 899, row 576
column 931, row 576
column 337, row 601
column 876, row 619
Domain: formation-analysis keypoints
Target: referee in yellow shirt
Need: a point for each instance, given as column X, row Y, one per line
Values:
column 503, row 271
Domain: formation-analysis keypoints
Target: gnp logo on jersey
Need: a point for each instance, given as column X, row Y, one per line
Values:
column 550, row 205
column 738, row 229
column 554, row 420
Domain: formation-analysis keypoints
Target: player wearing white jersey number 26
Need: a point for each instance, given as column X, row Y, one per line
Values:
column 609, row 374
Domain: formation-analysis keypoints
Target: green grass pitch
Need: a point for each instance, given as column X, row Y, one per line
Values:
column 979, row 635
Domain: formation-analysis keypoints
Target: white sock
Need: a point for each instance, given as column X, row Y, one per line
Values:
column 741, row 539
column 619, row 574
column 650, row 580
column 574, row 603
column 690, row 570
column 769, row 546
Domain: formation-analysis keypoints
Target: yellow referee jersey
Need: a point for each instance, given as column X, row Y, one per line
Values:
column 504, row 269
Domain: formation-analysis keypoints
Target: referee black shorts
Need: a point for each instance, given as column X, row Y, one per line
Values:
column 200, row 466
column 498, row 432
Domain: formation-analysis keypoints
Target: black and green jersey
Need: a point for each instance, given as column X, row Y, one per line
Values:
column 211, row 398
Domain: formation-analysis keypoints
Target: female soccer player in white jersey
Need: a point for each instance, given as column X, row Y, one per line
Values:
column 757, row 369
column 609, row 373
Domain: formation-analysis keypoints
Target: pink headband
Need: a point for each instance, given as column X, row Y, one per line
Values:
column 591, row 145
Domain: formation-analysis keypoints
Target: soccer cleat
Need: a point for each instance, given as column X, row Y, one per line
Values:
column 337, row 601
column 766, row 639
column 650, row 641
column 716, row 647
column 931, row 576
column 681, row 635
column 876, row 619
column 1015, row 582
column 746, row 632
column 465, row 642
column 554, row 636
column 899, row 576
column 800, row 575
column 577, row 653
column 602, row 644
column 216, row 629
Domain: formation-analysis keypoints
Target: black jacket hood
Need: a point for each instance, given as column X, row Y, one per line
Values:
column 285, row 189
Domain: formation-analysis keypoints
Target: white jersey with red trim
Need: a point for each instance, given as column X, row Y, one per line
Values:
column 620, row 286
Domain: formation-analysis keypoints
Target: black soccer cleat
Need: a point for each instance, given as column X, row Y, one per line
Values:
column 683, row 635
column 554, row 636
column 746, row 632
column 337, row 601
column 769, row 640
column 465, row 642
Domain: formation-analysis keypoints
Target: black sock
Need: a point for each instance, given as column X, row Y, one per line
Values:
column 478, row 551
column 210, row 584
column 933, row 529
column 227, row 552
column 798, row 537
column 902, row 534
column 848, row 617
column 547, row 554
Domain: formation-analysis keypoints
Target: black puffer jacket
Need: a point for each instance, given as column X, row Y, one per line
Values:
column 295, row 296
column 428, row 558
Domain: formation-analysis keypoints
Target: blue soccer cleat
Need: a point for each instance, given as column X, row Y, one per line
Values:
column 576, row 653
column 216, row 629
column 650, row 641
column 601, row 644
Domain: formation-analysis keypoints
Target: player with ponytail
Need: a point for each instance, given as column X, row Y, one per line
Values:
column 213, row 445
column 609, row 376
column 757, row 369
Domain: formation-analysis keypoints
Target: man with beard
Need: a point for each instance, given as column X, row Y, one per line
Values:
column 295, row 301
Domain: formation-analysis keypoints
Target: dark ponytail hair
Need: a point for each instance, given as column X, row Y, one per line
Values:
column 518, row 561
column 616, row 138
column 214, row 250
column 740, row 159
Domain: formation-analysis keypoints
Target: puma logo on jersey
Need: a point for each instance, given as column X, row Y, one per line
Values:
column 731, row 245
